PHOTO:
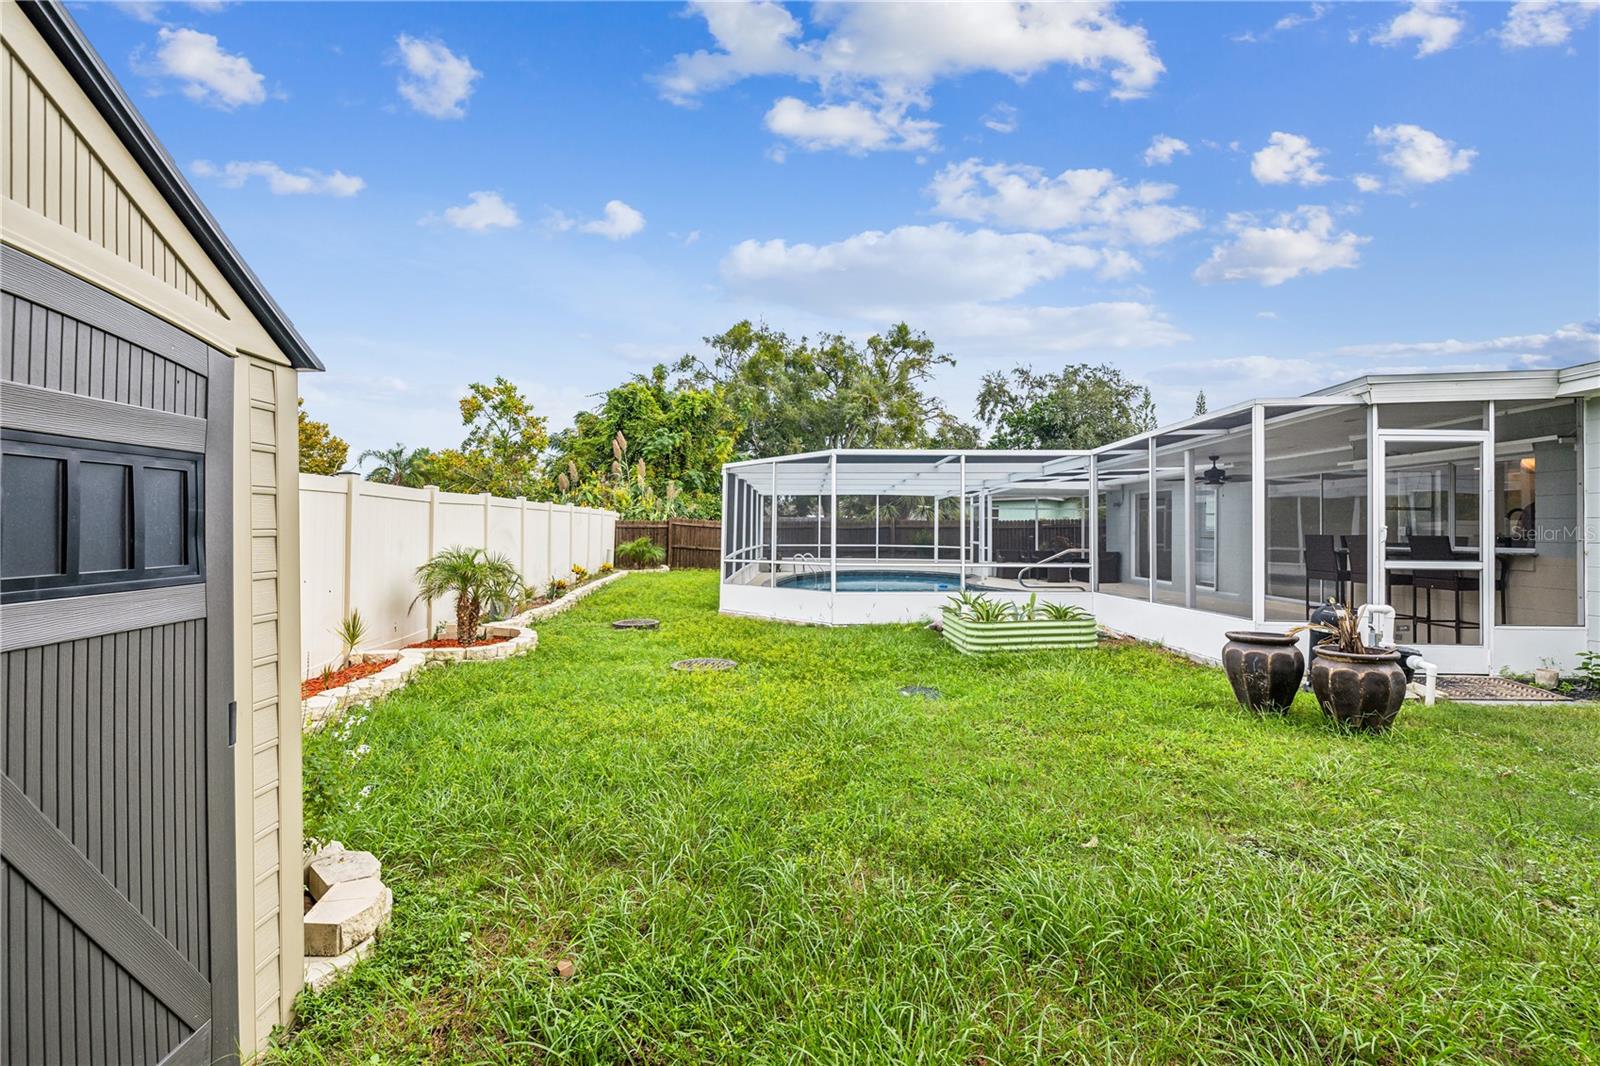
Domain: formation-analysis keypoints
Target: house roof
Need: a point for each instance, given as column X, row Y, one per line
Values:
column 78, row 56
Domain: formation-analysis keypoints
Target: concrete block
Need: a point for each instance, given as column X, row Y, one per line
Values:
column 326, row 871
column 328, row 850
column 321, row 972
column 350, row 912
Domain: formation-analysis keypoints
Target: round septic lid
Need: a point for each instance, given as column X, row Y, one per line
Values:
column 636, row 623
column 696, row 665
column 922, row 690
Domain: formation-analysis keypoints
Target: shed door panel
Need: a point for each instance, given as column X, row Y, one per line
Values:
column 116, row 804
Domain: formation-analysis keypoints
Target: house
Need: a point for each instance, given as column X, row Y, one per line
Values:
column 1476, row 496
column 150, row 821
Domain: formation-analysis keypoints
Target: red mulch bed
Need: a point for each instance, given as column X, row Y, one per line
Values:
column 454, row 643
column 336, row 678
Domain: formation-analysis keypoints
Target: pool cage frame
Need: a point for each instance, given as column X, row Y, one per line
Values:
column 974, row 480
column 1140, row 562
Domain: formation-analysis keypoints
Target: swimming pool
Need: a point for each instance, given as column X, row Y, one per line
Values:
column 876, row 581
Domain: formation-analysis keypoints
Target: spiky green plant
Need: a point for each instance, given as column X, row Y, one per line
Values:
column 641, row 552
column 474, row 577
column 961, row 603
column 351, row 631
column 986, row 610
column 1063, row 612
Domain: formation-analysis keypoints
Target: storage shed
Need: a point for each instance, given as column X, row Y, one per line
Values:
column 150, row 820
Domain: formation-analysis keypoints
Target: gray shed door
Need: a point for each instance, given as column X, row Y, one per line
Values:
column 116, row 805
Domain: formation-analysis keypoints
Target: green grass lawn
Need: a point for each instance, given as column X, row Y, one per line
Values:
column 1073, row 856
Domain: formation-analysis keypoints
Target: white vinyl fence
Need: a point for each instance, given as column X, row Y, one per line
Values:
column 361, row 543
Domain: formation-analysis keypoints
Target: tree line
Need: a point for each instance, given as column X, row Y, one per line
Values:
column 654, row 445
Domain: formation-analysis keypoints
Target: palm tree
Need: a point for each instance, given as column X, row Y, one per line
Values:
column 474, row 577
column 396, row 466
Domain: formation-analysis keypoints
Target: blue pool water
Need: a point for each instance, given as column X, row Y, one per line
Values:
column 877, row 581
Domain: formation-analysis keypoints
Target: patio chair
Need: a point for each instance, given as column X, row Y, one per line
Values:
column 1323, row 564
column 1455, row 582
column 1356, row 572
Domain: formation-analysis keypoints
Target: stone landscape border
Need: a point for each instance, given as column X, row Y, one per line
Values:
column 330, row 704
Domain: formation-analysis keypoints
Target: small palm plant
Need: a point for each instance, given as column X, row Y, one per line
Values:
column 476, row 579
column 641, row 553
column 1063, row 612
column 351, row 631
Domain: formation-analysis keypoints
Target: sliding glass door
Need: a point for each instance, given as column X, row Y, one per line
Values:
column 1435, row 543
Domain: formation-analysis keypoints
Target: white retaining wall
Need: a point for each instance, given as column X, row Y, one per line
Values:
column 361, row 542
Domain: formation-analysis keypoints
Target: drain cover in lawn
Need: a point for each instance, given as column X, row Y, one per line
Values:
column 922, row 690
column 636, row 623
column 696, row 665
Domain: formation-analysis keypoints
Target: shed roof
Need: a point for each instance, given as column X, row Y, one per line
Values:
column 79, row 58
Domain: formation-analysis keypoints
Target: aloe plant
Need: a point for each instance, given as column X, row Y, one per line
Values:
column 987, row 610
column 1064, row 612
column 961, row 603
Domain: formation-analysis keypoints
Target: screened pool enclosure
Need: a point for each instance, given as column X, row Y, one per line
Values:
column 1462, row 493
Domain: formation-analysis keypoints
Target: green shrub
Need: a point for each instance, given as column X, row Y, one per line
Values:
column 641, row 552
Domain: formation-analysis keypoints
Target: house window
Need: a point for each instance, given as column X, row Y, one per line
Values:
column 80, row 517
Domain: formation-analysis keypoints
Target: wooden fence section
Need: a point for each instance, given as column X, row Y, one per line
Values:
column 690, row 543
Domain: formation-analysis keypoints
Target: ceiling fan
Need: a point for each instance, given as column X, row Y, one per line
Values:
column 1215, row 475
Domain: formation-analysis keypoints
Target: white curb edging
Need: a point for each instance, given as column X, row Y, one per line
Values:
column 330, row 704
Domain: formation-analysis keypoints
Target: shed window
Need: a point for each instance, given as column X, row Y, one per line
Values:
column 85, row 517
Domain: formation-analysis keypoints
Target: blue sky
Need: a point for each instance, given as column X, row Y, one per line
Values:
column 1253, row 199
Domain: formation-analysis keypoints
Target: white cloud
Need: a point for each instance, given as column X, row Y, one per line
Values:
column 1007, row 329
column 1543, row 23
column 482, row 212
column 909, row 46
column 1298, row 242
column 618, row 222
column 1267, row 314
column 1433, row 25
column 1288, row 157
column 1575, row 342
column 1367, row 182
column 854, row 127
column 209, row 75
column 872, row 273
column 1420, row 156
column 1162, row 150
column 304, row 182
column 437, row 82
column 879, row 60
column 1096, row 204
column 1287, row 22
column 1002, row 118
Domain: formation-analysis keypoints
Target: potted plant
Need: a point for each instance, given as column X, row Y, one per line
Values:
column 476, row 579
column 1358, row 686
column 975, row 624
column 1264, row 669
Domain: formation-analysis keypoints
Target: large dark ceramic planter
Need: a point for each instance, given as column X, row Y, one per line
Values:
column 1264, row 670
column 1359, row 690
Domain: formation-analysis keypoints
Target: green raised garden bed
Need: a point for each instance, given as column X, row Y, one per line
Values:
column 976, row 625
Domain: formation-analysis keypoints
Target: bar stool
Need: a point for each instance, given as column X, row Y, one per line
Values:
column 1323, row 564
column 1355, row 546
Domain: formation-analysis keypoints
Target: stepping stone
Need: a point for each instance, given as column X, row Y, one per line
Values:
column 327, row 870
column 349, row 913
column 699, row 665
column 922, row 690
column 636, row 623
